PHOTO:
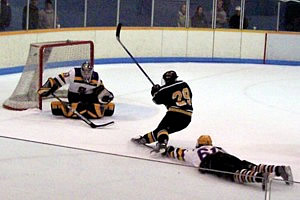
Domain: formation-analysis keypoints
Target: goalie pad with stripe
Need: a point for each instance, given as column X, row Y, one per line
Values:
column 91, row 111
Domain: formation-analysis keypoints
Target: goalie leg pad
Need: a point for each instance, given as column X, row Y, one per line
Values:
column 95, row 111
column 109, row 109
column 58, row 108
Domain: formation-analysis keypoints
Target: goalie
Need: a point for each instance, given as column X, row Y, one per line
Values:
column 86, row 94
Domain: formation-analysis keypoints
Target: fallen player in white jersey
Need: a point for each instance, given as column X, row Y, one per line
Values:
column 215, row 160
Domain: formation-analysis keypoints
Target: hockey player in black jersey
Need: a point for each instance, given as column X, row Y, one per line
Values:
column 177, row 97
column 86, row 93
column 215, row 160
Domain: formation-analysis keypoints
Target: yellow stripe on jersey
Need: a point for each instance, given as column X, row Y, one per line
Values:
column 172, row 109
column 94, row 82
column 78, row 78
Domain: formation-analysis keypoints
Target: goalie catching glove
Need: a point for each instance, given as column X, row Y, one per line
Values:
column 104, row 95
column 49, row 87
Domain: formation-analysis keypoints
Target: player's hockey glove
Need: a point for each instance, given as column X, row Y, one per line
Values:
column 168, row 151
column 49, row 87
column 155, row 89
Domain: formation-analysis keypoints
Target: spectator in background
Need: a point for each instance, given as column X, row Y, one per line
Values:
column 5, row 15
column 199, row 19
column 33, row 15
column 221, row 19
column 181, row 18
column 46, row 16
column 227, row 6
column 234, row 21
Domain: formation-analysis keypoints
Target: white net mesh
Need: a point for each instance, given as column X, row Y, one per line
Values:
column 48, row 58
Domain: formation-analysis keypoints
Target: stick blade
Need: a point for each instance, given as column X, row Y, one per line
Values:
column 118, row 30
column 103, row 125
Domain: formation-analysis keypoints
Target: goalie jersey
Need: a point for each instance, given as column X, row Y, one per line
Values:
column 77, row 84
column 177, row 97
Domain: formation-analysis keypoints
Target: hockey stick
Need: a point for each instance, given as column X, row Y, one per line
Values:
column 118, row 38
column 86, row 120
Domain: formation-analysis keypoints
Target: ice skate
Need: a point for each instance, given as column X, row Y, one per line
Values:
column 286, row 173
column 139, row 140
column 160, row 147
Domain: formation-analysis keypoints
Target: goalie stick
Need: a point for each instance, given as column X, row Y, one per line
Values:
column 118, row 38
column 86, row 120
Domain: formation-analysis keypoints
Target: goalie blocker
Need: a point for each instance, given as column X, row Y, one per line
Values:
column 86, row 94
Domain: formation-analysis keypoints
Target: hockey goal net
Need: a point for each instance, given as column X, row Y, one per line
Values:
column 46, row 60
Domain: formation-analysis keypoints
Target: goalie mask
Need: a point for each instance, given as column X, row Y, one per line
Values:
column 169, row 78
column 204, row 140
column 87, row 71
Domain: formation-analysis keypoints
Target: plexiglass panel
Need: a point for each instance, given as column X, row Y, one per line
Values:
column 262, row 15
column 16, row 8
column 289, row 16
column 71, row 13
column 166, row 13
column 135, row 12
column 102, row 12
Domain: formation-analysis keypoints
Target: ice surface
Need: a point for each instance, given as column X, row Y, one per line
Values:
column 252, row 111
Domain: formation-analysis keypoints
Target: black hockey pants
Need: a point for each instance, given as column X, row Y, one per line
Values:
column 224, row 162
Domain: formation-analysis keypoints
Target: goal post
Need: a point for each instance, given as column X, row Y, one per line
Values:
column 47, row 59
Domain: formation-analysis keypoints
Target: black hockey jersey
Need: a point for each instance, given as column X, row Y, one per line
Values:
column 177, row 97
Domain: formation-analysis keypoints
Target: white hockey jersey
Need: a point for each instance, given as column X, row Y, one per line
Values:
column 77, row 84
column 194, row 156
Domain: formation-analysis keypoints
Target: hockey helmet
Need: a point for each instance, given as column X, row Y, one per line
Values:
column 87, row 71
column 169, row 77
column 204, row 140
